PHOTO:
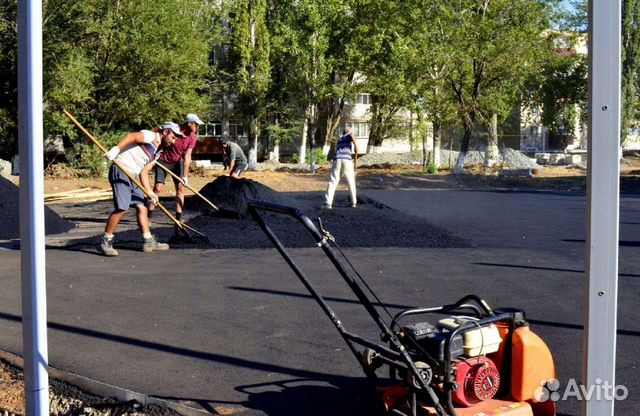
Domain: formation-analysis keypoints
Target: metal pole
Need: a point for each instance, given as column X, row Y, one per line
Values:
column 603, row 200
column 30, row 133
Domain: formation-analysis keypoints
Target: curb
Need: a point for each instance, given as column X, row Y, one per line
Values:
column 101, row 389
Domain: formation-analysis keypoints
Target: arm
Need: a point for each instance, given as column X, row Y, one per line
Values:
column 144, row 180
column 232, row 164
column 187, row 162
column 355, row 151
column 131, row 138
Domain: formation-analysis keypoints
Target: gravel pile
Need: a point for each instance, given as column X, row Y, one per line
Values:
column 9, row 218
column 65, row 399
column 509, row 158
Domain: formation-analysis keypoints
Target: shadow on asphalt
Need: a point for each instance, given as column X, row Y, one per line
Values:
column 554, row 269
column 334, row 395
column 306, row 296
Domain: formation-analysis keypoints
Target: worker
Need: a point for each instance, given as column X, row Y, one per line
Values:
column 178, row 160
column 136, row 153
column 343, row 161
column 235, row 156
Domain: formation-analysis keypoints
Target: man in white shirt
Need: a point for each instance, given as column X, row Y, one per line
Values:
column 136, row 153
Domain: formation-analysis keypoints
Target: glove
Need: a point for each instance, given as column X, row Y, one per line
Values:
column 153, row 198
column 112, row 153
column 185, row 181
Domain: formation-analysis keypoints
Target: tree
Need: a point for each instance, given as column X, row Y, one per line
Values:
column 630, row 66
column 250, row 54
column 309, row 48
column 118, row 64
column 383, row 29
column 493, row 46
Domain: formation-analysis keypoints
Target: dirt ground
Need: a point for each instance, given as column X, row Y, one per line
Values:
column 383, row 177
column 67, row 400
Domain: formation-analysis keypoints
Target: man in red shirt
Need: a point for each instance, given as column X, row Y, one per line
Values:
column 178, row 160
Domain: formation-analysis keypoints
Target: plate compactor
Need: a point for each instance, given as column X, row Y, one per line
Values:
column 462, row 359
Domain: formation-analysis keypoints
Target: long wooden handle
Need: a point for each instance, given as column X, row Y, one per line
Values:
column 187, row 185
column 119, row 165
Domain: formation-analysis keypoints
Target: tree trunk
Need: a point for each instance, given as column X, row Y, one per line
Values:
column 464, row 149
column 437, row 143
column 313, row 126
column 491, row 150
column 275, row 153
column 253, row 141
column 302, row 154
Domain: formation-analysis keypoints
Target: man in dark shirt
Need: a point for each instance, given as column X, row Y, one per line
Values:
column 236, row 157
column 178, row 161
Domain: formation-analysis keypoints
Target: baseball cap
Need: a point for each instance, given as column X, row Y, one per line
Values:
column 224, row 140
column 173, row 127
column 192, row 118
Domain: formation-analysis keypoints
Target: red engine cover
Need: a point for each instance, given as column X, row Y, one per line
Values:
column 478, row 380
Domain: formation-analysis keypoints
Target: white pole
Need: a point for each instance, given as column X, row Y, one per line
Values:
column 603, row 200
column 34, row 301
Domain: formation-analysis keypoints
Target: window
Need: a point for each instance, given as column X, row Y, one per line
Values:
column 363, row 99
column 210, row 130
column 236, row 130
column 359, row 129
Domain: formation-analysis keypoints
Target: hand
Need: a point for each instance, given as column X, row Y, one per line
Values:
column 153, row 198
column 112, row 153
column 185, row 181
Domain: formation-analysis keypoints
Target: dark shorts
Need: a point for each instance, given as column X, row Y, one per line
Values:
column 239, row 167
column 125, row 193
column 161, row 175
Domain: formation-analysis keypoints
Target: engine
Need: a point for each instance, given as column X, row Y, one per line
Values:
column 477, row 377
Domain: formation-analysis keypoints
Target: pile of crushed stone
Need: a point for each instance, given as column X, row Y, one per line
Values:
column 509, row 158
column 10, row 220
column 65, row 399
column 231, row 195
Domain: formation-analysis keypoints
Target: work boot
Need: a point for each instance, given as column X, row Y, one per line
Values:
column 151, row 244
column 106, row 247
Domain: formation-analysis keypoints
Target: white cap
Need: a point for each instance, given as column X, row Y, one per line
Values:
column 192, row 118
column 172, row 126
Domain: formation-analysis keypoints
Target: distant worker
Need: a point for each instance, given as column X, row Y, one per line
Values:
column 345, row 146
column 178, row 160
column 136, row 153
column 235, row 157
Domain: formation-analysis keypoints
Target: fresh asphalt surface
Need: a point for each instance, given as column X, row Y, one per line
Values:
column 234, row 331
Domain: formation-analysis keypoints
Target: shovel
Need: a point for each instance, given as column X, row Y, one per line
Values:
column 215, row 208
column 181, row 225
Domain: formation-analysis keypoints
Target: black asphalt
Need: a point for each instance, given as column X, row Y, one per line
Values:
column 234, row 330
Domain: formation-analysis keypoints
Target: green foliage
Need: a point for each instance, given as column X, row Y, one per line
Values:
column 630, row 66
column 431, row 168
column 320, row 156
column 282, row 133
column 85, row 155
column 115, row 65
column 562, row 84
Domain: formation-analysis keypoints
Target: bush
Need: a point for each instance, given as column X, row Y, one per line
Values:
column 320, row 157
column 431, row 168
column 87, row 156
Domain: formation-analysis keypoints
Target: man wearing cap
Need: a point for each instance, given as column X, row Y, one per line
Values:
column 178, row 160
column 136, row 153
column 235, row 157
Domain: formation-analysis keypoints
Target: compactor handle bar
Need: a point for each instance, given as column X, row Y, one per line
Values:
column 397, row 353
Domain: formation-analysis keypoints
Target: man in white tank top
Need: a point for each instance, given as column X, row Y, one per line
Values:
column 136, row 154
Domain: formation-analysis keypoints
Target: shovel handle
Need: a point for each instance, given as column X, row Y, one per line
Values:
column 187, row 185
column 95, row 141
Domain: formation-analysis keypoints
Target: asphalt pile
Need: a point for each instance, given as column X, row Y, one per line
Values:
column 231, row 196
column 369, row 225
column 9, row 214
